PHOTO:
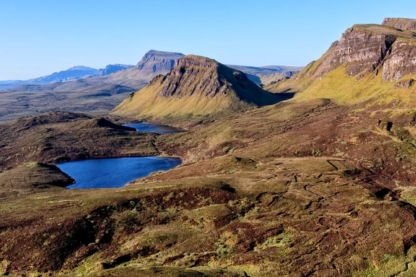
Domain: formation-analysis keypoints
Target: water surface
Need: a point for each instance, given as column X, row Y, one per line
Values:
column 114, row 172
column 158, row 129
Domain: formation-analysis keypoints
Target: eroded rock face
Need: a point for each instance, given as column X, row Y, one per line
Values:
column 372, row 48
column 158, row 61
column 362, row 50
column 400, row 62
column 400, row 23
column 196, row 75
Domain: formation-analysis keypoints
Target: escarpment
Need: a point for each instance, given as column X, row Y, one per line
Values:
column 196, row 86
column 385, row 52
column 374, row 48
column 400, row 23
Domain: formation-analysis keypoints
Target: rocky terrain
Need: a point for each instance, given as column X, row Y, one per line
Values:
column 196, row 86
column 311, row 186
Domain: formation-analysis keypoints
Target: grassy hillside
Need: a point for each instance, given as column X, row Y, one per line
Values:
column 196, row 86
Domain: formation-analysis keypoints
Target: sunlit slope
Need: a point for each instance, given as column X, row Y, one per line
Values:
column 196, row 86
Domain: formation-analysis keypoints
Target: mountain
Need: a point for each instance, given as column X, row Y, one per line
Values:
column 96, row 93
column 153, row 63
column 112, row 68
column 75, row 72
column 5, row 82
column 266, row 74
column 196, row 86
column 72, row 73
column 370, row 62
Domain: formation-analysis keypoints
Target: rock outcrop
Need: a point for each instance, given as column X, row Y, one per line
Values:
column 401, row 61
column 387, row 50
column 373, row 48
column 196, row 86
column 158, row 61
column 153, row 63
column 400, row 23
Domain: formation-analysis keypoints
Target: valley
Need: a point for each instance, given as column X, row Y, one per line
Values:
column 310, row 175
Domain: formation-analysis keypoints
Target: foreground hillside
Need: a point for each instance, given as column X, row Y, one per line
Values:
column 196, row 86
column 308, row 189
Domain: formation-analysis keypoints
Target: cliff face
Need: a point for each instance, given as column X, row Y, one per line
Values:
column 400, row 23
column 371, row 48
column 180, row 81
column 158, row 61
column 400, row 62
column 370, row 62
column 153, row 63
column 196, row 86
column 388, row 49
column 362, row 50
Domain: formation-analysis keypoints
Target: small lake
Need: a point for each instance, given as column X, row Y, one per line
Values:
column 114, row 172
column 158, row 129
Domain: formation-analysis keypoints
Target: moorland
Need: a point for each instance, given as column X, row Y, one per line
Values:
column 321, row 184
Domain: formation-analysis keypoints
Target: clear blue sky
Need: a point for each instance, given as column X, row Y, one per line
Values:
column 43, row 36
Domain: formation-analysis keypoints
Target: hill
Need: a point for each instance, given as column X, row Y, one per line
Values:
column 196, row 86
column 370, row 62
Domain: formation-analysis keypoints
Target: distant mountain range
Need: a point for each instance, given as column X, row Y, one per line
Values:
column 73, row 73
column 85, row 89
column 153, row 63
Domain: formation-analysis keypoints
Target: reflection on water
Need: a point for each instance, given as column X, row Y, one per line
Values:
column 114, row 172
column 159, row 129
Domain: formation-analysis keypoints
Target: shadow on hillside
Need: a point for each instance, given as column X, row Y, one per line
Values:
column 272, row 98
column 284, row 96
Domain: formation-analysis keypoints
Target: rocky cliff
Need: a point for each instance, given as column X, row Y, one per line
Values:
column 365, row 51
column 400, row 23
column 153, row 63
column 158, row 61
column 196, row 86
column 369, row 48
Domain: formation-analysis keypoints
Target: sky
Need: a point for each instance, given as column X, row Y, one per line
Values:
column 40, row 37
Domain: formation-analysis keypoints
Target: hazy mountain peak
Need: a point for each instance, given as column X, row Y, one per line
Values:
column 81, row 67
column 154, row 61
